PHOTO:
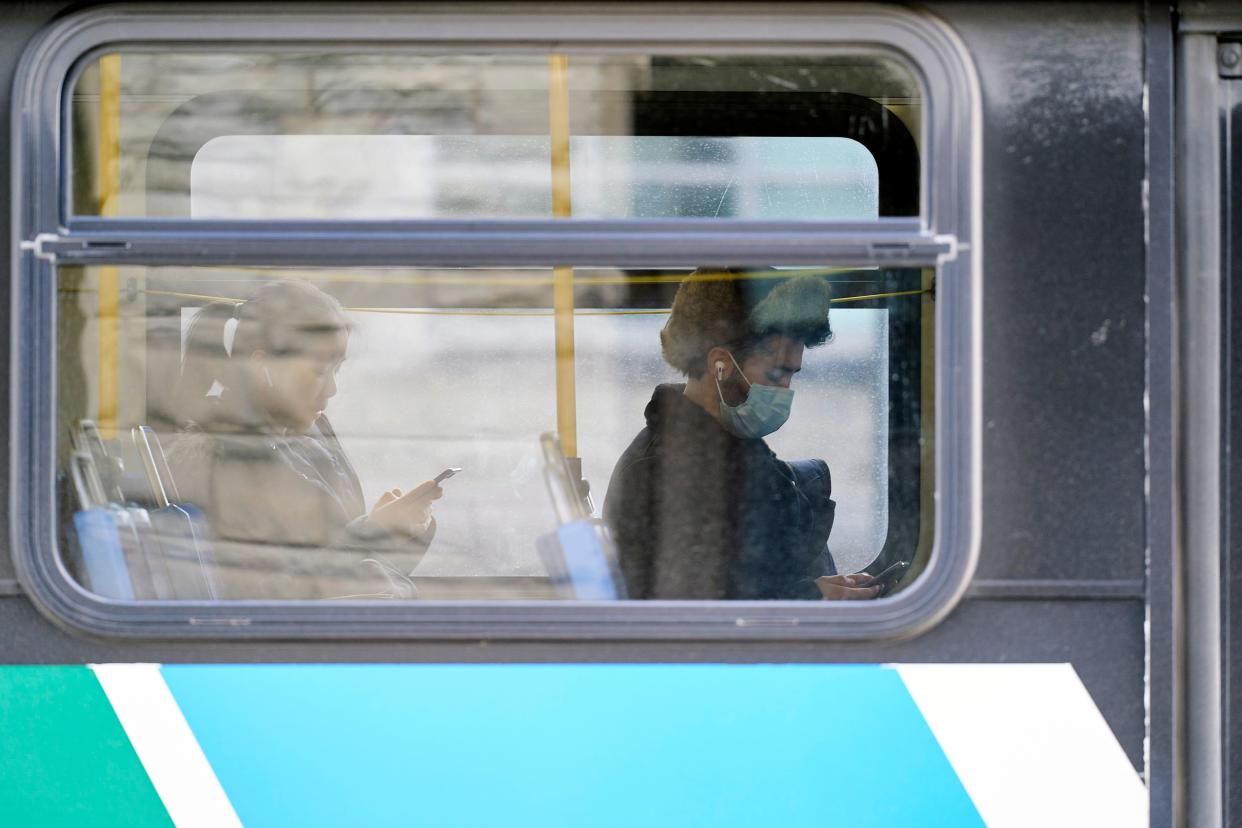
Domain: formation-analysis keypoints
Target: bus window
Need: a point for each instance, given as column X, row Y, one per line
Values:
column 382, row 310
column 400, row 136
column 238, row 427
column 613, row 177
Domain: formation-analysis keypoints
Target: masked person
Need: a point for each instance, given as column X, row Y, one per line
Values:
column 260, row 459
column 699, row 506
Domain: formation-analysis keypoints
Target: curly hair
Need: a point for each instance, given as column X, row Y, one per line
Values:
column 738, row 309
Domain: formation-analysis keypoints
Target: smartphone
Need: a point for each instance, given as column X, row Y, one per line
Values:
column 445, row 475
column 889, row 576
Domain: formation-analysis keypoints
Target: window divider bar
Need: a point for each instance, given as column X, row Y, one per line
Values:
column 565, row 243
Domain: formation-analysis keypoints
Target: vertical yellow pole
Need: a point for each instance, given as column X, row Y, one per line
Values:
column 562, row 277
column 109, row 280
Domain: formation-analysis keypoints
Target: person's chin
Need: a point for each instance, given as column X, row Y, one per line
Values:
column 310, row 423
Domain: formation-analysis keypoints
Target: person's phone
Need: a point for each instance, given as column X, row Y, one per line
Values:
column 888, row 576
column 446, row 474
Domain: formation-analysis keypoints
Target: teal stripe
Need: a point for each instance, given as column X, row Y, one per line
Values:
column 598, row 745
column 64, row 758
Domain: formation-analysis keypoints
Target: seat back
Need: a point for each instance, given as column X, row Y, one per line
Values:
column 580, row 557
column 178, row 530
column 99, row 535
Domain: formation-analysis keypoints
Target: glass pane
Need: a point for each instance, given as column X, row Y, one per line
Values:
column 234, row 434
column 415, row 136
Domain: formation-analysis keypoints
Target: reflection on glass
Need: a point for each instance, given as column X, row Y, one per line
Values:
column 373, row 136
column 419, row 176
column 281, row 441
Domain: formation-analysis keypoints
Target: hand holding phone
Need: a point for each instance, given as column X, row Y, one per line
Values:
column 409, row 513
column 889, row 576
column 446, row 474
column 846, row 588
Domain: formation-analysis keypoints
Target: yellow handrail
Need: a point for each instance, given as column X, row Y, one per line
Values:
column 475, row 278
column 496, row 311
column 109, row 279
column 562, row 277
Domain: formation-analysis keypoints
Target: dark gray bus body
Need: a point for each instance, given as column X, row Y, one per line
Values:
column 1095, row 516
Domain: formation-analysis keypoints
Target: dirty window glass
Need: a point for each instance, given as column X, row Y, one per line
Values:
column 494, row 433
column 229, row 434
column 417, row 136
column 507, row 176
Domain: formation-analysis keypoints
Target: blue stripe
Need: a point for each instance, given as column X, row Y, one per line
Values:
column 599, row 745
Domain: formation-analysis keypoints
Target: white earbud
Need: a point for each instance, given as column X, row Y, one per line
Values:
column 720, row 366
column 270, row 384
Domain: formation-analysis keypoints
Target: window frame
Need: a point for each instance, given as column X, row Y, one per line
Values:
column 945, row 235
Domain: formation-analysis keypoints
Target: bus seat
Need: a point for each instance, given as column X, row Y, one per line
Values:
column 178, row 530
column 579, row 556
column 99, row 536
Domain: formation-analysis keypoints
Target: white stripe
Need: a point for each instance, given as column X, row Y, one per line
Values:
column 166, row 746
column 1028, row 744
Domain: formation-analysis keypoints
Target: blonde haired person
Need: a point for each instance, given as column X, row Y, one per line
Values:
column 261, row 460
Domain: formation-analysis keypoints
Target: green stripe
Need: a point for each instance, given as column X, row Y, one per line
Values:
column 64, row 759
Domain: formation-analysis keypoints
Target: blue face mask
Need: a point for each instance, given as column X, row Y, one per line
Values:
column 765, row 409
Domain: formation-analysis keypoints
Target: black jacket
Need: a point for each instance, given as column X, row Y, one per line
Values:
column 700, row 514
